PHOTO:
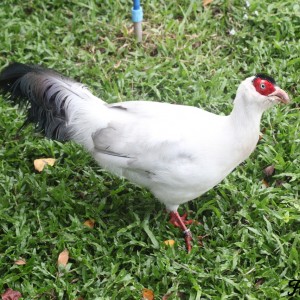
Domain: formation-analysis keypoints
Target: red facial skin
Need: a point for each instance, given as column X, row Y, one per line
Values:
column 263, row 86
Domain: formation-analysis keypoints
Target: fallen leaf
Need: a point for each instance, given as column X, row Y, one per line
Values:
column 269, row 171
column 265, row 184
column 206, row 2
column 10, row 294
column 169, row 243
column 63, row 258
column 89, row 223
column 117, row 65
column 259, row 282
column 148, row 294
column 180, row 295
column 201, row 238
column 131, row 29
column 40, row 163
column 20, row 262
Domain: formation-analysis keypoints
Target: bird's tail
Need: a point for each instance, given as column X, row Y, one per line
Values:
column 60, row 107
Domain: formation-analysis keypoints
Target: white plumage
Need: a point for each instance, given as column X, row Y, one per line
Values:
column 177, row 152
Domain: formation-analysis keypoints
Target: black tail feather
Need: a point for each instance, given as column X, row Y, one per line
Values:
column 45, row 94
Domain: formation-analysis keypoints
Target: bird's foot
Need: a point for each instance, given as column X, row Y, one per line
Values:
column 174, row 219
column 181, row 222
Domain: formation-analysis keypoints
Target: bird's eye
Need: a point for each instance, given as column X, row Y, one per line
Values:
column 263, row 86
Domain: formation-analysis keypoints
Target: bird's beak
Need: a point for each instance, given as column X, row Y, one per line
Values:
column 280, row 95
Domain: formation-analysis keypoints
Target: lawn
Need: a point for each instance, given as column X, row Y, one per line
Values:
column 191, row 55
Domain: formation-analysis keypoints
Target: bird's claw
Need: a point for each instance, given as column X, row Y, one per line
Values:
column 174, row 220
column 181, row 222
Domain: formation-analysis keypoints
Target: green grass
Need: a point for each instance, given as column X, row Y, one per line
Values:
column 253, row 238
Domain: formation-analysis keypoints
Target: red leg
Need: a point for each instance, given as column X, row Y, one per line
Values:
column 180, row 222
column 174, row 219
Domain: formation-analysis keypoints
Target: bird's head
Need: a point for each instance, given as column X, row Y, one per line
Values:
column 261, row 91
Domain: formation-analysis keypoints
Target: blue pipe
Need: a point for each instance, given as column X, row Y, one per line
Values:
column 137, row 18
column 137, row 12
column 136, row 4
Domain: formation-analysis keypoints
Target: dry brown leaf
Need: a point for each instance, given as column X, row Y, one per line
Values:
column 179, row 296
column 10, row 294
column 259, row 282
column 166, row 296
column 63, row 258
column 265, row 184
column 40, row 163
column 269, row 171
column 148, row 294
column 130, row 31
column 169, row 243
column 201, row 238
column 206, row 2
column 20, row 262
column 117, row 65
column 89, row 223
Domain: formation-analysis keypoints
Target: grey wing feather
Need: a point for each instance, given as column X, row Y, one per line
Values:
column 101, row 139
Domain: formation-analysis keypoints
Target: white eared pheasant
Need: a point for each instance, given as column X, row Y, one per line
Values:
column 177, row 152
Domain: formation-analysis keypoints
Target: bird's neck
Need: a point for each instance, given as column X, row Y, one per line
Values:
column 246, row 117
column 245, row 124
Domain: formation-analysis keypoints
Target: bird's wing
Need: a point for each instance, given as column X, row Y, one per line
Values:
column 148, row 136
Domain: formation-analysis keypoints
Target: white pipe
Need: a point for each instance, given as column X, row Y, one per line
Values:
column 138, row 31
